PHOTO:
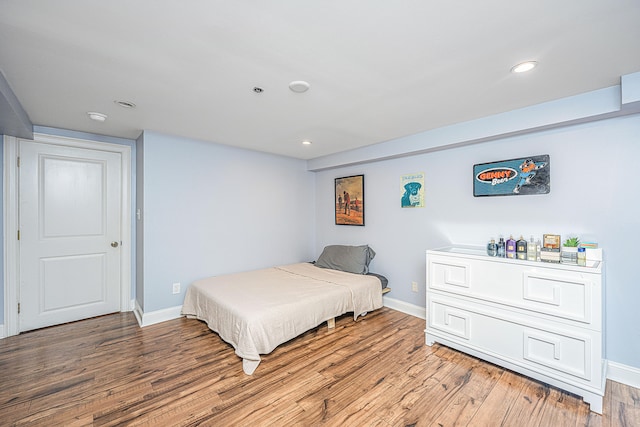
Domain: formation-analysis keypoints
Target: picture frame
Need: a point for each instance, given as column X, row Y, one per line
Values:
column 349, row 200
column 513, row 177
column 412, row 190
column 551, row 242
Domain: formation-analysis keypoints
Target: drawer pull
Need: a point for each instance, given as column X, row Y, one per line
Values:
column 547, row 350
column 453, row 320
column 455, row 274
column 553, row 299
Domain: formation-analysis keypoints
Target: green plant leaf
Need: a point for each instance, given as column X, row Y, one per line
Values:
column 572, row 242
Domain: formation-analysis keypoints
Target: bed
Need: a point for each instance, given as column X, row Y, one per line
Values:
column 258, row 310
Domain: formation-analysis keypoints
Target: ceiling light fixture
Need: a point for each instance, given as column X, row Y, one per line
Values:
column 98, row 117
column 523, row 67
column 306, row 142
column 258, row 89
column 125, row 104
column 299, row 86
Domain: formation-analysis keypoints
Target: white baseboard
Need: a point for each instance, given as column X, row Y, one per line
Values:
column 624, row 374
column 2, row 334
column 146, row 319
column 405, row 307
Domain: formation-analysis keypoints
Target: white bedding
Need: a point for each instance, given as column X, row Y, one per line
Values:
column 258, row 310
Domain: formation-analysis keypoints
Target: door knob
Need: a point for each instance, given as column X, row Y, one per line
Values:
column 114, row 244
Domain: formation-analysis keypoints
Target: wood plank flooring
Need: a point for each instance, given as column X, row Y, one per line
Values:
column 374, row 372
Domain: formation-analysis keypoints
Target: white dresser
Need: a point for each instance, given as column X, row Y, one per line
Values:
column 540, row 319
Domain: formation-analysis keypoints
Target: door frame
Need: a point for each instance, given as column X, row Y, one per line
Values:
column 11, row 216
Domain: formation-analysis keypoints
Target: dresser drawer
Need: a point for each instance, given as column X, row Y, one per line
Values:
column 542, row 347
column 530, row 286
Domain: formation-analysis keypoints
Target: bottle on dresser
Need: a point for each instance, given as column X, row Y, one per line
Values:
column 511, row 247
column 501, row 248
column 521, row 248
column 582, row 256
column 492, row 248
column 531, row 250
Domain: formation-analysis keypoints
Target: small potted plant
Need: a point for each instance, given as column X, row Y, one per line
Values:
column 570, row 250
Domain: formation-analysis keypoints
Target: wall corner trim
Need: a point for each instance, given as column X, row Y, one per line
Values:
column 158, row 316
column 405, row 307
column 14, row 120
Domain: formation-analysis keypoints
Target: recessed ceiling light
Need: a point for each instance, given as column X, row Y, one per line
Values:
column 98, row 117
column 299, row 86
column 258, row 89
column 306, row 142
column 125, row 104
column 523, row 67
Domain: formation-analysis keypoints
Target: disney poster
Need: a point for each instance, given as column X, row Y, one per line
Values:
column 527, row 175
column 412, row 190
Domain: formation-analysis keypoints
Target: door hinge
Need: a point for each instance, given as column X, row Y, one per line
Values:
column 18, row 234
column 18, row 161
column 18, row 308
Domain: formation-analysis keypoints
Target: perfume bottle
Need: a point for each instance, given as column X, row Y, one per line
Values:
column 511, row 247
column 501, row 248
column 492, row 248
column 531, row 250
column 521, row 248
column 582, row 256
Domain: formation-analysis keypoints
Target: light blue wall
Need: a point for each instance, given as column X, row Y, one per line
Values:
column 592, row 194
column 211, row 209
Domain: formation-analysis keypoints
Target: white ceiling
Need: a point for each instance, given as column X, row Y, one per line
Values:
column 378, row 70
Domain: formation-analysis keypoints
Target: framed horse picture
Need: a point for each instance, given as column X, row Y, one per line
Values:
column 349, row 200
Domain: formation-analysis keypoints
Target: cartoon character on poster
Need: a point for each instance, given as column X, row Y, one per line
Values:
column 528, row 170
column 528, row 175
column 412, row 190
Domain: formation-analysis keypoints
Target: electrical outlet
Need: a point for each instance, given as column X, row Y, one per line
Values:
column 414, row 286
column 176, row 288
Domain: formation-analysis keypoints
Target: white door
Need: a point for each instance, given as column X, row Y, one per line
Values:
column 70, row 233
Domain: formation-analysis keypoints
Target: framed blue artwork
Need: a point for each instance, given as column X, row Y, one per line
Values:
column 514, row 177
column 412, row 190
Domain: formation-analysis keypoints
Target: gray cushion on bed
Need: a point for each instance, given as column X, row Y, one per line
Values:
column 383, row 280
column 352, row 259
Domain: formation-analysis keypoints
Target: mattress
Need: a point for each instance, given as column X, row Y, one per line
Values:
column 258, row 310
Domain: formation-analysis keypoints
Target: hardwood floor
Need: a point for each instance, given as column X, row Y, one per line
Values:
column 374, row 372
